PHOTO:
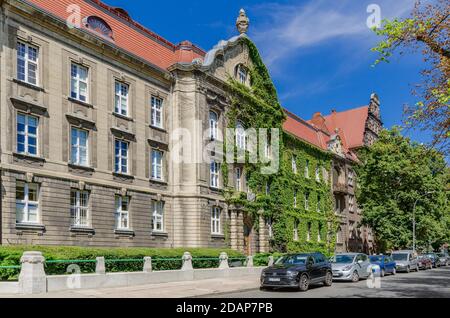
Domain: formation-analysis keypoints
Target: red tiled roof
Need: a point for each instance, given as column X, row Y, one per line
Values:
column 127, row 34
column 351, row 125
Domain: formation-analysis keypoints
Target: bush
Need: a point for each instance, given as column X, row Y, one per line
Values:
column 162, row 259
column 263, row 258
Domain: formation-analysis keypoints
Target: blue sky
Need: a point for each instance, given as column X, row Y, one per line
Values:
column 317, row 51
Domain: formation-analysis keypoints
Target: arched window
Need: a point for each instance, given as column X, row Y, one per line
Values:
column 241, row 74
column 98, row 25
column 240, row 135
column 213, row 125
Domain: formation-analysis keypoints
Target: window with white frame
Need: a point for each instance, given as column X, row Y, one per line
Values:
column 27, row 134
column 157, row 165
column 79, row 208
column 122, row 212
column 242, row 74
column 269, row 227
column 294, row 164
column 79, row 82
column 157, row 112
column 296, row 230
column 308, row 233
column 215, row 220
column 240, row 135
column 158, row 216
column 351, row 203
column 318, row 173
column 351, row 178
column 214, row 174
column 121, row 156
column 27, row 63
column 307, row 169
column 27, row 202
column 238, row 177
column 295, row 198
column 307, row 201
column 79, row 147
column 213, row 125
column 121, row 98
column 268, row 150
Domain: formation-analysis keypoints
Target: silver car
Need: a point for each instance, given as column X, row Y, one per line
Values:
column 406, row 261
column 350, row 266
column 444, row 259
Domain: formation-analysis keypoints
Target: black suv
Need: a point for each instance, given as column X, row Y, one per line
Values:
column 299, row 271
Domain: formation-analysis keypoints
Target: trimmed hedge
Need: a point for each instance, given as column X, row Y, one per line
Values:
column 10, row 255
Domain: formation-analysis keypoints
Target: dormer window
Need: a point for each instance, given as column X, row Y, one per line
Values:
column 241, row 74
column 98, row 25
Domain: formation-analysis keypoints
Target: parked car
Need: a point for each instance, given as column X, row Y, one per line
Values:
column 350, row 266
column 435, row 260
column 386, row 264
column 406, row 261
column 444, row 259
column 298, row 271
column 424, row 262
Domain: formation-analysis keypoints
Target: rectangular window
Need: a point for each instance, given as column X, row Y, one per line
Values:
column 308, row 233
column 121, row 98
column 79, row 82
column 215, row 221
column 351, row 203
column 350, row 178
column 157, row 165
column 306, row 201
column 27, row 63
column 79, row 203
column 157, row 112
column 307, row 169
column 79, row 147
column 296, row 230
column 238, row 179
column 213, row 125
column 240, row 136
column 268, row 150
column 121, row 156
column 318, row 174
column 158, row 216
column 295, row 198
column 27, row 202
column 269, row 227
column 294, row 164
column 122, row 214
column 214, row 174
column 27, row 134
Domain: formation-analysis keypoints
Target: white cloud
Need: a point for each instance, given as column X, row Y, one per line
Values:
column 289, row 29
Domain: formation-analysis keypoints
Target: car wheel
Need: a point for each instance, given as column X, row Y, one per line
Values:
column 383, row 272
column 303, row 283
column 417, row 268
column 328, row 279
column 355, row 277
column 408, row 269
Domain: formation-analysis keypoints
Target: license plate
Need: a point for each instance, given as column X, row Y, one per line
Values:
column 274, row 279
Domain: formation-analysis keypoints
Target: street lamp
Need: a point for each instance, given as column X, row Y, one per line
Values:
column 414, row 218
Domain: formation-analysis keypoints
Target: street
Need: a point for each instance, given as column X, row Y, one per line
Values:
column 433, row 283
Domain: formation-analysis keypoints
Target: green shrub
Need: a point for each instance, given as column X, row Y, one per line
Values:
column 132, row 258
column 263, row 258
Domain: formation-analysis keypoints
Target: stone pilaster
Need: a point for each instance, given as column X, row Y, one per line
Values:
column 263, row 237
column 233, row 230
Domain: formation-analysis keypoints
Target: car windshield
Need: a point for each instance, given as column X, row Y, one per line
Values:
column 376, row 258
column 342, row 259
column 292, row 260
column 400, row 256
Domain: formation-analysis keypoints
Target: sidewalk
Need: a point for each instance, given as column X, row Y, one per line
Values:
column 166, row 290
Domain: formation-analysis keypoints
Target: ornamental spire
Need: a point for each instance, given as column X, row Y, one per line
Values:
column 242, row 22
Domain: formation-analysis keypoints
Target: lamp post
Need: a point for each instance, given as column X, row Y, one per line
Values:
column 414, row 218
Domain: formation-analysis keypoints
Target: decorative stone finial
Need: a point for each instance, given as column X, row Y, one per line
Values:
column 242, row 22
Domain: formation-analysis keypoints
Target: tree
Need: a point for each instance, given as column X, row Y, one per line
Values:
column 427, row 31
column 395, row 173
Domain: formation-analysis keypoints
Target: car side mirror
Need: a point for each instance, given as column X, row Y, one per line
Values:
column 360, row 262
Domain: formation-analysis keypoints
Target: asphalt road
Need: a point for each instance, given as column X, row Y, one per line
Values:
column 433, row 283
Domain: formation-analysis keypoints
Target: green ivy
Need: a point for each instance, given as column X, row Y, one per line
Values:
column 258, row 107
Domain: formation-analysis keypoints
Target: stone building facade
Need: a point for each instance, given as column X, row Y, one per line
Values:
column 94, row 111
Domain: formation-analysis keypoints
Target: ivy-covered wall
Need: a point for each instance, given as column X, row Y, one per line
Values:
column 258, row 107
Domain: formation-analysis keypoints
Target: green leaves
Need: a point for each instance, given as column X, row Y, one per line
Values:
column 397, row 173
